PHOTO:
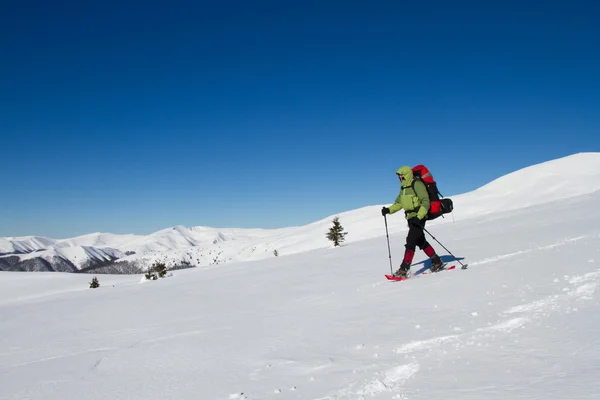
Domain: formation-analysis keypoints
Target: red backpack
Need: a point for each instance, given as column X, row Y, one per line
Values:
column 437, row 207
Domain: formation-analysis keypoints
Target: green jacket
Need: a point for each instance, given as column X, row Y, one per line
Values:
column 414, row 200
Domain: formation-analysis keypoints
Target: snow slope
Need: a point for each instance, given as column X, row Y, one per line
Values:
column 520, row 323
column 552, row 180
column 563, row 178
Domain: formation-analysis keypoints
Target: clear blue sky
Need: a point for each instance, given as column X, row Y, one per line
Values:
column 129, row 117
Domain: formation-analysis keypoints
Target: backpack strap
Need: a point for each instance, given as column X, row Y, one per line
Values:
column 436, row 188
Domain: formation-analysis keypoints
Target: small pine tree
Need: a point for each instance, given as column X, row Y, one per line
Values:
column 157, row 270
column 275, row 252
column 160, row 269
column 336, row 233
column 94, row 283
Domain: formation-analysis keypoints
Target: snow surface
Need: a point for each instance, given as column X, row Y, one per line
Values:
column 521, row 322
column 562, row 178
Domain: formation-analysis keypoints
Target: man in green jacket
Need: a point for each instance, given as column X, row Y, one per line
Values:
column 414, row 199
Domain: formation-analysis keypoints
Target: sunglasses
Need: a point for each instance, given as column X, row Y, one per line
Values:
column 400, row 176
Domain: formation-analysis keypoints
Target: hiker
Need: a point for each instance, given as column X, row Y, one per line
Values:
column 414, row 199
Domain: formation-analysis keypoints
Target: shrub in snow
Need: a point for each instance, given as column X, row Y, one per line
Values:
column 336, row 233
column 151, row 275
column 157, row 270
column 94, row 283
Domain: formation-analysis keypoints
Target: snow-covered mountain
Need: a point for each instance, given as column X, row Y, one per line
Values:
column 521, row 322
column 179, row 246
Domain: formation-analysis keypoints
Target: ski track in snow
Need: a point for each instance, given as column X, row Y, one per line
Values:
column 506, row 326
column 394, row 378
column 426, row 344
column 562, row 302
column 531, row 250
column 584, row 278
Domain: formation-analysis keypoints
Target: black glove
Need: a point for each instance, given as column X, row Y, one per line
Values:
column 414, row 221
column 385, row 210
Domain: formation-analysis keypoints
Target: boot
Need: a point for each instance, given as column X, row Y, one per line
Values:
column 403, row 271
column 436, row 263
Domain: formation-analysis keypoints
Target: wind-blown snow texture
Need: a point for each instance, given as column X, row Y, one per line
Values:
column 204, row 246
column 521, row 322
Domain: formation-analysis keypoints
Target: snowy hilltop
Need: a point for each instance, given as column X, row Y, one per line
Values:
column 181, row 247
column 323, row 323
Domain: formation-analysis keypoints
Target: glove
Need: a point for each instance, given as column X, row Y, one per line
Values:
column 414, row 221
column 385, row 210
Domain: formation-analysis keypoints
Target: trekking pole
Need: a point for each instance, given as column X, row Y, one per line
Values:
column 388, row 242
column 464, row 266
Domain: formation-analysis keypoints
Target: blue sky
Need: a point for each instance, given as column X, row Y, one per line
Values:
column 128, row 117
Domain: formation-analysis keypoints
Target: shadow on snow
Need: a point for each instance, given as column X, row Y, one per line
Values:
column 426, row 264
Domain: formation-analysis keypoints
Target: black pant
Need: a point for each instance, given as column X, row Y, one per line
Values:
column 416, row 236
